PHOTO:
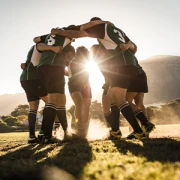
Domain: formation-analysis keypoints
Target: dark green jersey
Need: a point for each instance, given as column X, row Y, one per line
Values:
column 110, row 37
column 140, row 69
column 50, row 57
column 30, row 71
column 78, row 74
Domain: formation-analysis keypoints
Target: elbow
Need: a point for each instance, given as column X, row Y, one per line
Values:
column 37, row 39
column 39, row 47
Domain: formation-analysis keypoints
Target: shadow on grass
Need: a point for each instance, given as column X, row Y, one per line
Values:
column 155, row 149
column 41, row 162
column 73, row 157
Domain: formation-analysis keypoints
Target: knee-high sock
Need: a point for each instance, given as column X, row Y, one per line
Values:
column 140, row 115
column 56, row 125
column 108, row 118
column 127, row 112
column 49, row 114
column 32, row 121
column 115, row 114
column 61, row 113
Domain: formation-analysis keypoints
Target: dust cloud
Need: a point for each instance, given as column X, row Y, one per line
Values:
column 98, row 129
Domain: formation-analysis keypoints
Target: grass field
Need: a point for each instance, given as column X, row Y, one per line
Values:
column 156, row 158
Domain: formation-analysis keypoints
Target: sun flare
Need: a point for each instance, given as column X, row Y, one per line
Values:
column 96, row 78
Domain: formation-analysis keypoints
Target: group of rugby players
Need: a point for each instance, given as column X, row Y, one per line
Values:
column 43, row 77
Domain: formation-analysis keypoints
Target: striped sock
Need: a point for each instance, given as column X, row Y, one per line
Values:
column 49, row 114
column 140, row 115
column 32, row 121
column 127, row 112
column 61, row 113
column 115, row 114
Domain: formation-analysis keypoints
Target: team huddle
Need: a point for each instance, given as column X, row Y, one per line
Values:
column 43, row 77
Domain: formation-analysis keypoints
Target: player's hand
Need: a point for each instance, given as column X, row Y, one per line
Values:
column 57, row 49
column 54, row 31
column 23, row 65
column 124, row 47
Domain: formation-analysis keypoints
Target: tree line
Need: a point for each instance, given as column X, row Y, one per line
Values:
column 167, row 113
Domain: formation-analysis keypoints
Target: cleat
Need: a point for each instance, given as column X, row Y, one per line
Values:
column 135, row 135
column 148, row 128
column 69, row 136
column 40, row 136
column 32, row 140
column 112, row 135
column 50, row 140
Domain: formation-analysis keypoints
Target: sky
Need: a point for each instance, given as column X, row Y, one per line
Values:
column 152, row 24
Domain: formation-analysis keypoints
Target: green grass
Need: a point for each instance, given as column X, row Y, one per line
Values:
column 151, row 159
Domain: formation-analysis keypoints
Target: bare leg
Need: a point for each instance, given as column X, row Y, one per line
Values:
column 119, row 95
column 139, row 101
column 85, row 115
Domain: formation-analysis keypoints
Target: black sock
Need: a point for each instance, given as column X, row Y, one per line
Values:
column 142, row 118
column 108, row 118
column 32, row 121
column 61, row 113
column 127, row 112
column 56, row 125
column 49, row 114
column 115, row 114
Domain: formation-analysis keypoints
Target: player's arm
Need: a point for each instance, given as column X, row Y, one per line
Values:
column 38, row 39
column 23, row 66
column 69, row 33
column 128, row 46
column 44, row 47
column 66, row 73
column 132, row 46
column 94, row 23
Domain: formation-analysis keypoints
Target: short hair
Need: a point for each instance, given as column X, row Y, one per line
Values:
column 69, row 48
column 83, row 53
column 95, row 18
column 95, row 49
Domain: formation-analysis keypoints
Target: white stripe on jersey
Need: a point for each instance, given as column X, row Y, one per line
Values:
column 66, row 42
column 107, row 42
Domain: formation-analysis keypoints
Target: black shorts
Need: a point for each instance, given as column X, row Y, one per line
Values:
column 33, row 89
column 138, row 84
column 85, row 90
column 53, row 78
column 122, row 76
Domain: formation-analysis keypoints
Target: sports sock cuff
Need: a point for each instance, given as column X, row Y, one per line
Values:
column 113, row 104
column 137, row 112
column 50, row 105
column 107, row 114
column 32, row 111
column 122, row 106
column 62, row 108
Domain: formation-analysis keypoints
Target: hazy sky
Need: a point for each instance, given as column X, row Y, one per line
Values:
column 152, row 24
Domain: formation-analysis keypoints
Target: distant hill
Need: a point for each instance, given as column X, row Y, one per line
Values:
column 8, row 102
column 163, row 74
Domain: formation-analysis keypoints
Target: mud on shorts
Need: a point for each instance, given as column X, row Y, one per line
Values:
column 33, row 89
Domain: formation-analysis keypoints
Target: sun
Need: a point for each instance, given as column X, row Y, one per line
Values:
column 95, row 76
